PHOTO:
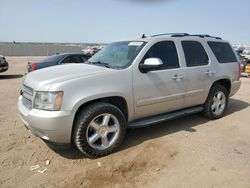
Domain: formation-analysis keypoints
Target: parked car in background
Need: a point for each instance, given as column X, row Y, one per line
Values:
column 242, row 60
column 246, row 54
column 58, row 59
column 92, row 50
column 4, row 65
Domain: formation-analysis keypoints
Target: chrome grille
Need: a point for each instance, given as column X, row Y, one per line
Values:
column 27, row 103
column 27, row 93
column 28, row 90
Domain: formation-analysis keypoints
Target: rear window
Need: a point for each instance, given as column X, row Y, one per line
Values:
column 223, row 52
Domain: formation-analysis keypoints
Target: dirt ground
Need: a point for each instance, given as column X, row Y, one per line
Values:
column 186, row 152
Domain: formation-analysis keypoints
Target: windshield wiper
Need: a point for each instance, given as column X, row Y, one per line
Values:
column 99, row 63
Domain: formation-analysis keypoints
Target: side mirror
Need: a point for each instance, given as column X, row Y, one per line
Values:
column 150, row 64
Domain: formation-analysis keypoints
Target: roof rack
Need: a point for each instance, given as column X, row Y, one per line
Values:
column 171, row 34
column 205, row 35
column 186, row 34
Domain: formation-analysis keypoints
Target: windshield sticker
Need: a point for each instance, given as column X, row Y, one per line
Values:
column 135, row 43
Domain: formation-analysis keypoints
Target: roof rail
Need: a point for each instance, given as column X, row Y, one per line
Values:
column 171, row 34
column 205, row 35
column 186, row 34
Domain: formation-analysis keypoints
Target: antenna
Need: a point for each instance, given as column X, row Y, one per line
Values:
column 143, row 36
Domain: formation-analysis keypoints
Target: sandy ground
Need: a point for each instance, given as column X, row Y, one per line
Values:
column 187, row 152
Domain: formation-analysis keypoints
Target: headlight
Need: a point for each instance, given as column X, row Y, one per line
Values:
column 50, row 101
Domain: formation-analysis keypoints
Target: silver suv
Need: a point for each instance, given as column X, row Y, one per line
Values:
column 129, row 84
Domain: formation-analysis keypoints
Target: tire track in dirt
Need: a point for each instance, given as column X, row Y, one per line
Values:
column 128, row 169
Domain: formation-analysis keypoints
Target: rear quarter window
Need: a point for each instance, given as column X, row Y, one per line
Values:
column 223, row 52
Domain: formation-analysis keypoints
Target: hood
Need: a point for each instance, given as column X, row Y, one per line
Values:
column 60, row 73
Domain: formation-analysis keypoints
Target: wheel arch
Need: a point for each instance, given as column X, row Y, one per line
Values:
column 226, row 82
column 118, row 101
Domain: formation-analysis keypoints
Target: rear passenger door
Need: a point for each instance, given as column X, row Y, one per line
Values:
column 199, row 72
column 160, row 90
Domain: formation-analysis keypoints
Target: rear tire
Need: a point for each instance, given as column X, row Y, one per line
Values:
column 216, row 102
column 99, row 129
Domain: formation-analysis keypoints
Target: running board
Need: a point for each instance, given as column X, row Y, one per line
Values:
column 164, row 117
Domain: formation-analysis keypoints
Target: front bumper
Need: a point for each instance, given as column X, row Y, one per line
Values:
column 235, row 87
column 54, row 126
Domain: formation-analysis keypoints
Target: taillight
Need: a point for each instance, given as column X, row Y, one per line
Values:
column 239, row 71
column 33, row 66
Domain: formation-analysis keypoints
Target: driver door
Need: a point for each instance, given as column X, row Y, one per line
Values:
column 162, row 90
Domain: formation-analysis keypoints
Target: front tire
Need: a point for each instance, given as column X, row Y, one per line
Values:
column 216, row 103
column 99, row 129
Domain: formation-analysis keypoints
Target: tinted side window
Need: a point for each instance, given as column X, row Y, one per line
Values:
column 66, row 60
column 76, row 59
column 167, row 52
column 72, row 59
column 84, row 58
column 195, row 53
column 223, row 52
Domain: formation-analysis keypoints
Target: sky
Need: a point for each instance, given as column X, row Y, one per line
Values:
column 104, row 21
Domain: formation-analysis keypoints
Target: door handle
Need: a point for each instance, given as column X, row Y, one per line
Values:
column 210, row 73
column 177, row 77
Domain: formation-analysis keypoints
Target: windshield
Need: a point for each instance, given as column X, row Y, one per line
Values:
column 118, row 54
column 53, row 58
